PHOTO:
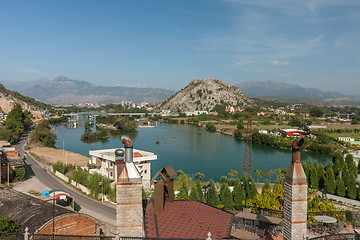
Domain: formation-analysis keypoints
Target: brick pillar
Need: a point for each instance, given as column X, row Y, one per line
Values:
column 129, row 210
column 295, row 197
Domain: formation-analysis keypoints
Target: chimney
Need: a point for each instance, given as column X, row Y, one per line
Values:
column 295, row 196
column 164, row 190
column 129, row 210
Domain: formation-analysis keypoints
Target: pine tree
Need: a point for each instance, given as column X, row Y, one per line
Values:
column 308, row 167
column 359, row 167
column 183, row 192
column 314, row 181
column 238, row 193
column 253, row 188
column 349, row 159
column 345, row 175
column 336, row 167
column 304, row 166
column 340, row 187
column 321, row 176
column 226, row 196
column 330, row 180
column 213, row 198
column 200, row 191
column 194, row 193
column 352, row 191
column 338, row 155
column 266, row 186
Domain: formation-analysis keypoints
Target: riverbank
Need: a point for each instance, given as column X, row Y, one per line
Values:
column 50, row 156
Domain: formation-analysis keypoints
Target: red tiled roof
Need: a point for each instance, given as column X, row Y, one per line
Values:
column 187, row 219
column 137, row 154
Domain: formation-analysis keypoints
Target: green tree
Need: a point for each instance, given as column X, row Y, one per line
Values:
column 183, row 192
column 240, row 125
column 266, row 186
column 330, row 180
column 316, row 112
column 200, row 191
column 238, row 193
column 321, row 176
column 199, row 176
column 295, row 122
column 314, row 181
column 213, row 198
column 340, row 187
column 194, row 193
column 253, row 188
column 278, row 191
column 309, row 167
column 352, row 191
column 225, row 196
column 339, row 156
column 20, row 174
column 8, row 225
column 211, row 127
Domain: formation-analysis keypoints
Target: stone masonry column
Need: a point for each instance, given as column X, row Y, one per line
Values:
column 295, row 197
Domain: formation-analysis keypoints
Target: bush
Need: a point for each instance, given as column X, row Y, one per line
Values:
column 7, row 225
column 20, row 174
column 210, row 127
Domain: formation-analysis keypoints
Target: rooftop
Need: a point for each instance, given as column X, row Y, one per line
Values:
column 109, row 154
column 187, row 219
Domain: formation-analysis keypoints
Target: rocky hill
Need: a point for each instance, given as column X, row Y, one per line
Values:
column 8, row 100
column 203, row 95
column 63, row 90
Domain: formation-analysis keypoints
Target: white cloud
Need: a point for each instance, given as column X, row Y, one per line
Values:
column 247, row 62
column 317, row 39
column 278, row 63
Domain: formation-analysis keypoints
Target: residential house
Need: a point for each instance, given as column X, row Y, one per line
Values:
column 104, row 162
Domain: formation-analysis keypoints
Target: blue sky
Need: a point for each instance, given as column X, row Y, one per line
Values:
column 166, row 44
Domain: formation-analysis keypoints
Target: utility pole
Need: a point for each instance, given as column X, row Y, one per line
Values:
column 8, row 173
column 247, row 164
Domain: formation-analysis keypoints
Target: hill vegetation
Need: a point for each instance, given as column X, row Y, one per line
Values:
column 204, row 95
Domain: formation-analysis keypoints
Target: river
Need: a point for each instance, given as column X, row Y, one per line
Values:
column 191, row 149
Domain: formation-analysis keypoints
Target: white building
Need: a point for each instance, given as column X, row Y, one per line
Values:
column 346, row 139
column 104, row 162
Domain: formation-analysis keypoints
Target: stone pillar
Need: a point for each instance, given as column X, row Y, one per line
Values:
column 295, row 197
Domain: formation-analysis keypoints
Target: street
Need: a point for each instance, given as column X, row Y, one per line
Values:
column 88, row 206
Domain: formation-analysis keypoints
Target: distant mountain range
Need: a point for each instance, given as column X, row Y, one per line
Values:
column 62, row 90
column 294, row 93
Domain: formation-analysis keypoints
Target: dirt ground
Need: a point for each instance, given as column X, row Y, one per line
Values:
column 52, row 155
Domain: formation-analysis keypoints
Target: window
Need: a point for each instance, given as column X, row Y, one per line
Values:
column 111, row 164
column 111, row 174
column 145, row 171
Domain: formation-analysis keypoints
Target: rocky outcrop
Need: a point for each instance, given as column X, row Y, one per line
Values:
column 203, row 95
column 8, row 102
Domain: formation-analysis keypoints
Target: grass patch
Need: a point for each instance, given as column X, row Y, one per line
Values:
column 35, row 193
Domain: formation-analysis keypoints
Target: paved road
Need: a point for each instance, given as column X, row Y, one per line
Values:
column 89, row 206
